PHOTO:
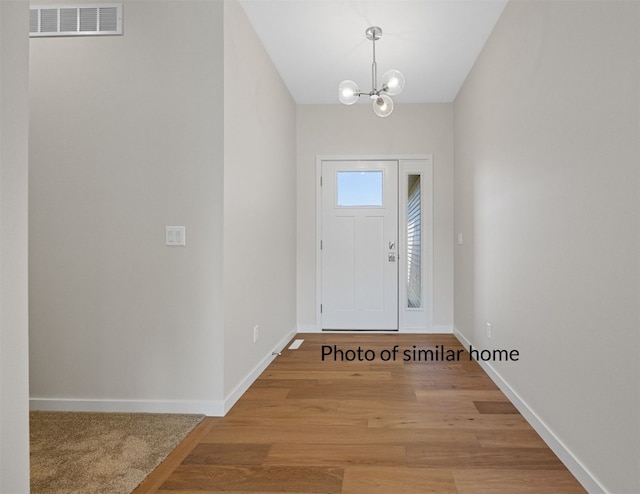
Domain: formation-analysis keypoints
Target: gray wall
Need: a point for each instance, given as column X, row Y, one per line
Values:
column 355, row 130
column 259, row 202
column 547, row 189
column 127, row 137
column 132, row 133
column 14, row 372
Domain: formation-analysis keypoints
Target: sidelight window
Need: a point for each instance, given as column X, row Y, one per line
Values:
column 414, row 243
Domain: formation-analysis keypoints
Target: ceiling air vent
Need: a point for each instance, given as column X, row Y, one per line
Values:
column 75, row 20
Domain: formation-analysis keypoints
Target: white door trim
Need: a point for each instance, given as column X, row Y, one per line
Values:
column 428, row 211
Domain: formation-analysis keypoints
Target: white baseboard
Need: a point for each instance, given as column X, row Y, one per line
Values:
column 213, row 408
column 442, row 328
column 435, row 329
column 240, row 389
column 210, row 408
column 308, row 328
column 579, row 471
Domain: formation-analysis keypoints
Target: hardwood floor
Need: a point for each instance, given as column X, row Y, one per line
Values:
column 308, row 425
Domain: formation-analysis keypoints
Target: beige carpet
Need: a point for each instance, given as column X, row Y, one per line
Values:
column 100, row 452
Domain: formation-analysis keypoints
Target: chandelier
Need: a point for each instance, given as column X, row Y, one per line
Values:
column 392, row 83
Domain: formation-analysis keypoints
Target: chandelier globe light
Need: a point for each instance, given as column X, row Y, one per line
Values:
column 392, row 83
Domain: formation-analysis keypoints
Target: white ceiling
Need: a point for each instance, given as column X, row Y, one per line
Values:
column 315, row 44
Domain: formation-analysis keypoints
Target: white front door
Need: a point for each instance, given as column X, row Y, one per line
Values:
column 359, row 245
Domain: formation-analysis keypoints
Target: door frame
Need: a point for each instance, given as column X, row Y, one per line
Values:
column 407, row 164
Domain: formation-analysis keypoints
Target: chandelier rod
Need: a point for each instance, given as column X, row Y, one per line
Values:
column 374, row 70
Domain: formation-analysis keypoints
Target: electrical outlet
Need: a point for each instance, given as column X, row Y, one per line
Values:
column 489, row 330
column 255, row 333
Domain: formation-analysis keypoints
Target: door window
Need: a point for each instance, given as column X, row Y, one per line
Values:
column 359, row 188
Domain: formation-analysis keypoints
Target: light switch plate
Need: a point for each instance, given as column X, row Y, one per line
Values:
column 176, row 236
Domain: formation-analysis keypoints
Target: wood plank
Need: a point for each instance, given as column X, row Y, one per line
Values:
column 510, row 439
column 385, row 480
column 215, row 478
column 439, row 456
column 335, row 455
column 447, row 421
column 227, row 454
column 495, row 407
column 463, row 382
column 281, row 413
column 460, row 394
column 284, row 408
column 287, row 384
column 331, row 375
column 450, row 404
column 314, row 434
column 507, row 481
column 254, row 393
column 364, row 390
column 319, row 419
